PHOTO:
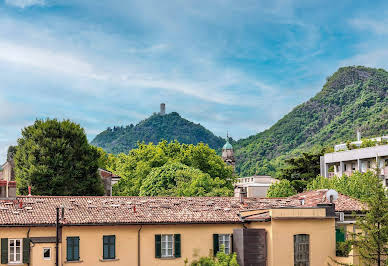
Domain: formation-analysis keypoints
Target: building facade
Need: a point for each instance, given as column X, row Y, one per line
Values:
column 253, row 186
column 347, row 161
column 168, row 231
column 7, row 180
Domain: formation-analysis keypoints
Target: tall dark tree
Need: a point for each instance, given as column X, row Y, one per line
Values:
column 11, row 152
column 372, row 240
column 55, row 158
column 302, row 169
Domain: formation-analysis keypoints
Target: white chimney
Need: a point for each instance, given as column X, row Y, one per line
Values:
column 358, row 135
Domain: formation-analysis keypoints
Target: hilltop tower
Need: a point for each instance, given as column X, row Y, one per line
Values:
column 162, row 109
column 228, row 153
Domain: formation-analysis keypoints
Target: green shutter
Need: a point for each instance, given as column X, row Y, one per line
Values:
column 216, row 245
column 26, row 250
column 69, row 248
column 231, row 243
column 339, row 235
column 76, row 248
column 4, row 250
column 158, row 246
column 114, row 247
column 177, row 245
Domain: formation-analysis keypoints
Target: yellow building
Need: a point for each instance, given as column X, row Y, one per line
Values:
column 299, row 230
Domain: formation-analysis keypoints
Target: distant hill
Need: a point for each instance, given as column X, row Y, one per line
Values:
column 353, row 97
column 153, row 129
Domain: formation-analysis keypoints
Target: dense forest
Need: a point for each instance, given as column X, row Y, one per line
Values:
column 353, row 97
column 157, row 127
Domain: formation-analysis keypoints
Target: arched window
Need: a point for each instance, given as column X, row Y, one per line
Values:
column 302, row 250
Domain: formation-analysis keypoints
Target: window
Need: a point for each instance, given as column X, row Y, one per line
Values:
column 15, row 250
column 72, row 248
column 301, row 250
column 353, row 166
column 224, row 239
column 47, row 253
column 344, row 166
column 167, row 246
column 340, row 235
column 109, row 249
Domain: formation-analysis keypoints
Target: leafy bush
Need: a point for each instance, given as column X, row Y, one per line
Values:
column 281, row 189
column 221, row 259
column 342, row 249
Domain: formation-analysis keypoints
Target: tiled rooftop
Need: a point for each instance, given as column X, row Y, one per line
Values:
column 41, row 210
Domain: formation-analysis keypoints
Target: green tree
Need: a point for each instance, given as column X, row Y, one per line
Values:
column 358, row 185
column 372, row 241
column 221, row 259
column 177, row 179
column 141, row 169
column 54, row 158
column 300, row 170
column 281, row 189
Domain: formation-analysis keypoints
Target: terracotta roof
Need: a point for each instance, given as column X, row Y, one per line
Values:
column 342, row 204
column 41, row 210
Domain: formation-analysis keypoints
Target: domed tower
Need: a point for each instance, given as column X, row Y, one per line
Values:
column 227, row 153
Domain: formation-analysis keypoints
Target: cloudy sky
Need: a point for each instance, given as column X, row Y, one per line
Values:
column 229, row 65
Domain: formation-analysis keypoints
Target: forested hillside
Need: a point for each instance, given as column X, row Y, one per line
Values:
column 154, row 129
column 353, row 97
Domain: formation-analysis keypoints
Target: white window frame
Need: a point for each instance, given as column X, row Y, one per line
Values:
column 13, row 260
column 224, row 239
column 167, row 252
column 44, row 249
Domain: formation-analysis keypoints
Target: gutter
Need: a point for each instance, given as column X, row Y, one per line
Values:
column 138, row 245
column 28, row 237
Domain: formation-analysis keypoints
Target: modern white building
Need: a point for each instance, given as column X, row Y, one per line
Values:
column 346, row 161
column 253, row 186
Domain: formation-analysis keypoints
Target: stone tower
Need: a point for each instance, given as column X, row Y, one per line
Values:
column 228, row 153
column 162, row 109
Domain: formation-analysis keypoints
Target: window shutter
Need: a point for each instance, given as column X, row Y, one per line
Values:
column 113, row 247
column 216, row 245
column 26, row 250
column 76, row 248
column 231, row 243
column 177, row 245
column 69, row 248
column 4, row 250
column 158, row 246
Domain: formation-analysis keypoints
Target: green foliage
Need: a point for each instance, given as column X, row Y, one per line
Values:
column 342, row 249
column 221, row 259
column 358, row 185
column 300, row 170
column 372, row 241
column 168, row 127
column 281, row 189
column 368, row 143
column 353, row 97
column 55, row 158
column 172, row 169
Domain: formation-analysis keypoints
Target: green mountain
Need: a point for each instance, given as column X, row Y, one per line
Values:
column 153, row 129
column 353, row 97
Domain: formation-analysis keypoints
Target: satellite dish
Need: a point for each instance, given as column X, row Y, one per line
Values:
column 331, row 195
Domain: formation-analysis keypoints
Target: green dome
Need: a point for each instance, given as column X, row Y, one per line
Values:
column 227, row 146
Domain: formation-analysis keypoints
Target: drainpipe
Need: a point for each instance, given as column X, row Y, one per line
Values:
column 57, row 238
column 28, row 237
column 138, row 245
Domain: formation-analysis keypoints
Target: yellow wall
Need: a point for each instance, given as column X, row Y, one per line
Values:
column 196, row 241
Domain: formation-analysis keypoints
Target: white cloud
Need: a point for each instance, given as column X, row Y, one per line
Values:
column 25, row 3
column 376, row 26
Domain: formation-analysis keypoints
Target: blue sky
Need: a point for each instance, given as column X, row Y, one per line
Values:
column 229, row 65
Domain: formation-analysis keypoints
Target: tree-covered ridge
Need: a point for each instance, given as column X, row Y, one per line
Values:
column 157, row 127
column 353, row 97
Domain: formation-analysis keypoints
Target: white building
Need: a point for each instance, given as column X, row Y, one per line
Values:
column 253, row 186
column 346, row 161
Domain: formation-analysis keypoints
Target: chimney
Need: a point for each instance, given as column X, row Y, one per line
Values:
column 162, row 109
column 242, row 195
column 358, row 135
column 29, row 190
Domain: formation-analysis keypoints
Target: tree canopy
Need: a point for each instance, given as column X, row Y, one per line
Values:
column 281, row 189
column 359, row 185
column 55, row 158
column 163, row 169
